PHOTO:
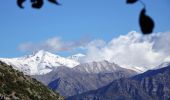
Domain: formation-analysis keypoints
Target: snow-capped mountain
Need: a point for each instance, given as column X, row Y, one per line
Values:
column 38, row 63
column 77, row 57
column 99, row 67
column 43, row 62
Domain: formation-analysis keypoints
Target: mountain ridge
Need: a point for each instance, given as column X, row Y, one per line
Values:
column 150, row 85
column 69, row 81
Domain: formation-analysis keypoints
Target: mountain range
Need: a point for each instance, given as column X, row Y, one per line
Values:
column 76, row 80
column 43, row 62
column 71, row 81
column 67, row 75
column 151, row 85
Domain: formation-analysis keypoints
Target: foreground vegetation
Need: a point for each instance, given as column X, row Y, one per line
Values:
column 15, row 85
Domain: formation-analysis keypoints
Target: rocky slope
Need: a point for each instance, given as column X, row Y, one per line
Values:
column 151, row 85
column 14, row 85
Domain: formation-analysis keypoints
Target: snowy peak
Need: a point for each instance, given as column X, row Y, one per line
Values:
column 41, row 53
column 98, row 67
column 40, row 62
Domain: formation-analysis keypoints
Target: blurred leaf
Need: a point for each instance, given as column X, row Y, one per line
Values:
column 20, row 2
column 146, row 22
column 33, row 0
column 131, row 1
column 54, row 1
column 37, row 3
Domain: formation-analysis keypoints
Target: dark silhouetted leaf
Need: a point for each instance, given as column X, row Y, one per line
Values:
column 131, row 1
column 54, row 1
column 146, row 23
column 33, row 0
column 20, row 2
column 37, row 3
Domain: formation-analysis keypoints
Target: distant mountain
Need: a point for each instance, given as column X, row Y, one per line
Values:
column 43, row 62
column 14, row 85
column 151, row 85
column 71, row 81
column 38, row 63
column 99, row 67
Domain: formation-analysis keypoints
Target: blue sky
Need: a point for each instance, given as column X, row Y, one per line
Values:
column 74, row 20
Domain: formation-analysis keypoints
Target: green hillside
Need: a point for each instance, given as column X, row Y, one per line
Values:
column 15, row 85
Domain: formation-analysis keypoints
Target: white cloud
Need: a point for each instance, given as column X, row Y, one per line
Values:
column 162, row 43
column 54, row 44
column 132, row 50
column 94, row 51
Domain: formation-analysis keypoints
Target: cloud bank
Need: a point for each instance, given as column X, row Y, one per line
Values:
column 132, row 50
column 129, row 51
